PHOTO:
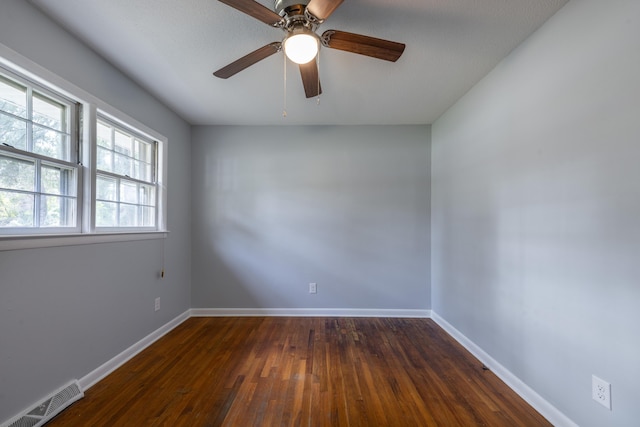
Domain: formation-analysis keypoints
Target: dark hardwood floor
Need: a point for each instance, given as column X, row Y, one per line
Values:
column 302, row 372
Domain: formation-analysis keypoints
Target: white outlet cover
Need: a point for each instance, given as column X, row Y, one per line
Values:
column 601, row 391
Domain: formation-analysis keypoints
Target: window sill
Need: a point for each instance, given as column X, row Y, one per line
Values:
column 12, row 243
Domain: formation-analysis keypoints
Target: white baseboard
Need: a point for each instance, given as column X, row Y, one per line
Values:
column 307, row 312
column 111, row 365
column 550, row 412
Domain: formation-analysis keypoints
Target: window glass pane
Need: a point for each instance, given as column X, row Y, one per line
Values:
column 145, row 173
column 51, row 180
column 16, row 209
column 104, row 135
column 13, row 98
column 106, row 214
column 141, row 171
column 104, row 159
column 57, row 211
column 17, row 174
column 128, row 192
column 105, row 188
column 56, row 180
column 123, row 143
column 13, row 131
column 50, row 143
column 122, row 164
column 143, row 151
column 69, row 185
column 136, row 173
column 147, row 195
column 128, row 215
column 48, row 113
column 148, row 217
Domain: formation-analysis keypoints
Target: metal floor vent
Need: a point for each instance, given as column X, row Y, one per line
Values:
column 49, row 408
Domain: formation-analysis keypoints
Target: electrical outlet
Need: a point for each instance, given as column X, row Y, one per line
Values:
column 601, row 391
column 313, row 288
column 157, row 304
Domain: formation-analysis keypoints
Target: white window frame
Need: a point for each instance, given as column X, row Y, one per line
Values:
column 88, row 233
column 71, row 109
column 102, row 117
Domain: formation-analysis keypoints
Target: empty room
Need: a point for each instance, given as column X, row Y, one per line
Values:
column 319, row 213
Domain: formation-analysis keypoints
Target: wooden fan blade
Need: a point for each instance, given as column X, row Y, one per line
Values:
column 248, row 60
column 256, row 10
column 322, row 9
column 363, row 45
column 310, row 78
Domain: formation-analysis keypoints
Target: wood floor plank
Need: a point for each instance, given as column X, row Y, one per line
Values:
column 302, row 372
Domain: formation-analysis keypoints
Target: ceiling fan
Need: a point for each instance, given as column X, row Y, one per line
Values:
column 300, row 19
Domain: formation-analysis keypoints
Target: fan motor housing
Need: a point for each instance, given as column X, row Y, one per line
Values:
column 288, row 7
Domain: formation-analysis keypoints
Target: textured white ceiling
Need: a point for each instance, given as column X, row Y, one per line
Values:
column 172, row 47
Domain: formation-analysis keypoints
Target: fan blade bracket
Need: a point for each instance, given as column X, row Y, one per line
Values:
column 363, row 45
column 322, row 9
column 312, row 19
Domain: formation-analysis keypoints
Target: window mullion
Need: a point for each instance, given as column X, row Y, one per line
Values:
column 139, row 207
column 125, row 177
column 22, row 154
column 37, row 193
column 118, row 201
column 77, row 138
column 13, row 116
column 29, row 141
column 112, row 147
column 63, row 190
column 132, row 156
column 66, row 123
column 154, row 163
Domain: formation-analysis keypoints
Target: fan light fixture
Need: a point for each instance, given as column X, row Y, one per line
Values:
column 299, row 20
column 301, row 46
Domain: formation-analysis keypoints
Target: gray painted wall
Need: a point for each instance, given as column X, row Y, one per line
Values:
column 65, row 311
column 279, row 207
column 534, row 217
column 535, row 210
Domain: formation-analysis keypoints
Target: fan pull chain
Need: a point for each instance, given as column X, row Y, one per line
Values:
column 163, row 259
column 284, row 102
column 318, row 75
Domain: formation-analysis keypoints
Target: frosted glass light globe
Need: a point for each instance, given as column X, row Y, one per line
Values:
column 301, row 48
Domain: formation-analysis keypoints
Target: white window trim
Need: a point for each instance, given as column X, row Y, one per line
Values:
column 12, row 243
column 91, row 105
column 158, row 173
